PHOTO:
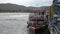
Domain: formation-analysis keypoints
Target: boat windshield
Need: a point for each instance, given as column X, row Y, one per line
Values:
column 37, row 21
column 37, row 14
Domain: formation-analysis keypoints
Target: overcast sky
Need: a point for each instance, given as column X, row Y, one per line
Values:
column 35, row 3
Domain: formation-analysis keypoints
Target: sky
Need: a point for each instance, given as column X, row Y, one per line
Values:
column 35, row 3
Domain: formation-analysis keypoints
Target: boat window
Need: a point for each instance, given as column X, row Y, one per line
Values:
column 39, row 21
column 42, row 13
column 37, row 13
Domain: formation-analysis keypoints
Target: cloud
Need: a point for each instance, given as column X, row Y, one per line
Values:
column 35, row 3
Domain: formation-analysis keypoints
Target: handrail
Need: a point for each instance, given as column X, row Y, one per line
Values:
column 56, row 31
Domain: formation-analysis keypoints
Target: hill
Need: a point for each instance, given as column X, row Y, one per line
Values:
column 19, row 8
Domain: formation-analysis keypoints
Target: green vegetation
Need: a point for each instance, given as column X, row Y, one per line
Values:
column 15, row 10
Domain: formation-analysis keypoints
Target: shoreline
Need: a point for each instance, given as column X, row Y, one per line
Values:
column 15, row 12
